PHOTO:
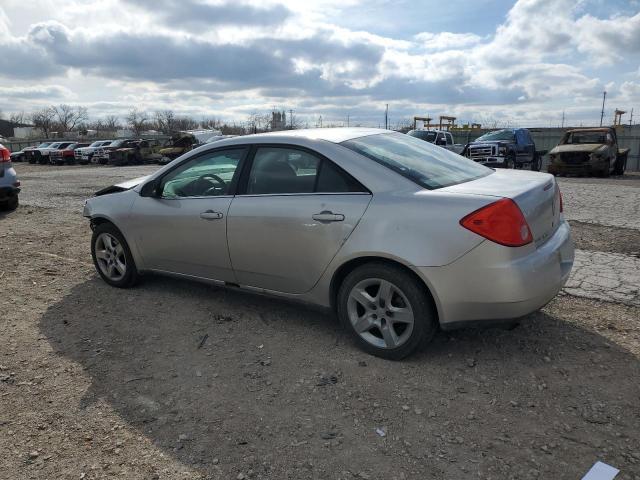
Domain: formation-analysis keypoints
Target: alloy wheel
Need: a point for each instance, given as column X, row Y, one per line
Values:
column 110, row 257
column 380, row 313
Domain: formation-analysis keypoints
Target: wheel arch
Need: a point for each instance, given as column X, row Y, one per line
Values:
column 347, row 267
column 100, row 219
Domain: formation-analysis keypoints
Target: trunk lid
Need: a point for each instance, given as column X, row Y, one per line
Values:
column 535, row 193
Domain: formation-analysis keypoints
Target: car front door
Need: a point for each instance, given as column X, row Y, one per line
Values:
column 183, row 228
column 293, row 212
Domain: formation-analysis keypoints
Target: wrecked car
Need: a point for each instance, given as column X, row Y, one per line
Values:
column 180, row 144
column 592, row 151
column 123, row 152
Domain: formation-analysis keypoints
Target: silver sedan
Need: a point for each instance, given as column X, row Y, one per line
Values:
column 399, row 237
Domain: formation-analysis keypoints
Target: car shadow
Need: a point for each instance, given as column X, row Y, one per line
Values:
column 226, row 382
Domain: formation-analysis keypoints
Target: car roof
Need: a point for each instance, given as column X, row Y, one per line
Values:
column 334, row 135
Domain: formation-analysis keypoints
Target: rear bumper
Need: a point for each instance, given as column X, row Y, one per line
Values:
column 499, row 283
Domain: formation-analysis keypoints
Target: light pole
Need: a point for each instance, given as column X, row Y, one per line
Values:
column 604, row 96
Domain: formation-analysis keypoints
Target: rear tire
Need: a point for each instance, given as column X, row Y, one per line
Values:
column 536, row 164
column 10, row 205
column 112, row 257
column 386, row 311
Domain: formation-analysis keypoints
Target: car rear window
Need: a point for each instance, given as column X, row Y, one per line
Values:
column 427, row 165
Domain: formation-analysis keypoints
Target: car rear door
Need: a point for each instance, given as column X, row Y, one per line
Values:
column 293, row 212
column 184, row 228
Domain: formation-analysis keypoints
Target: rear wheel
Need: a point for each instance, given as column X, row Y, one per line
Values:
column 11, row 204
column 536, row 164
column 386, row 311
column 112, row 256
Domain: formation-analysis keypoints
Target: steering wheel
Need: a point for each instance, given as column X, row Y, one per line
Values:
column 214, row 189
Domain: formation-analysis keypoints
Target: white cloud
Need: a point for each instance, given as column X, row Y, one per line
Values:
column 446, row 40
column 546, row 55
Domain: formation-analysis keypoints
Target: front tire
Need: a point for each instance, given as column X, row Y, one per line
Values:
column 510, row 162
column 112, row 256
column 386, row 311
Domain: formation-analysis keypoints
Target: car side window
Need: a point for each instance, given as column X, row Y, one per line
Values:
column 208, row 175
column 282, row 170
column 279, row 170
column 332, row 179
column 449, row 139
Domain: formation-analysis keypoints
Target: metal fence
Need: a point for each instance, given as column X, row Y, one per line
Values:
column 549, row 138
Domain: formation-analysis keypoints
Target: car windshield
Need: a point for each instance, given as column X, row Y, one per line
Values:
column 97, row 144
column 54, row 145
column 117, row 143
column 44, row 144
column 425, row 135
column 425, row 164
column 497, row 135
column 586, row 137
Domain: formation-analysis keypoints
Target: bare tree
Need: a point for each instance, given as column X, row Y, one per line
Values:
column 44, row 120
column 184, row 123
column 111, row 123
column 165, row 121
column 18, row 117
column 68, row 116
column 137, row 120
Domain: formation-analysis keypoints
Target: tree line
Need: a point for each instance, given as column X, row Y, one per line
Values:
column 55, row 120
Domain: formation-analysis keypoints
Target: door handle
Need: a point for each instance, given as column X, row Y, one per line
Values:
column 211, row 215
column 326, row 217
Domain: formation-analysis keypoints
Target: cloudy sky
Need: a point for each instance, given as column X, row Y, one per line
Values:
column 522, row 62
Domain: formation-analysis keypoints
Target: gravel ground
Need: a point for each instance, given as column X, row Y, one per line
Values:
column 178, row 380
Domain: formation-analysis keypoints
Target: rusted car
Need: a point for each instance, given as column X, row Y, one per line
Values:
column 179, row 144
column 123, row 152
column 589, row 151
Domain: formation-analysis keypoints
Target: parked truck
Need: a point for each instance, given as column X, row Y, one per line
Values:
column 589, row 151
column 441, row 138
column 506, row 148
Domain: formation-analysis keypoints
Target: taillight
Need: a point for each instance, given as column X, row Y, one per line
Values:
column 501, row 222
column 561, row 204
column 67, row 153
column 5, row 155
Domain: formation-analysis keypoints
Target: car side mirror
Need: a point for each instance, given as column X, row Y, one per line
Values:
column 150, row 189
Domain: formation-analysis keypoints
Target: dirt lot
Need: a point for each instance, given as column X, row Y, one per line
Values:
column 178, row 380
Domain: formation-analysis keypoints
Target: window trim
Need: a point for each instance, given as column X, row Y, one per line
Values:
column 234, row 181
column 243, row 181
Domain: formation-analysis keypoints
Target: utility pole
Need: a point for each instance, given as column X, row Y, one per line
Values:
column 631, row 118
column 562, row 118
column 291, row 118
column 348, row 117
column 386, row 117
column 604, row 96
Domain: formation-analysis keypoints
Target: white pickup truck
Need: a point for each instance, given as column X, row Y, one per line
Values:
column 441, row 138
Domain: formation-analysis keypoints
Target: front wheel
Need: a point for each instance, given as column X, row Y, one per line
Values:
column 112, row 256
column 620, row 166
column 510, row 162
column 386, row 310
